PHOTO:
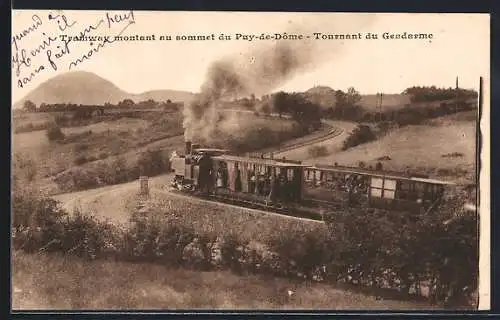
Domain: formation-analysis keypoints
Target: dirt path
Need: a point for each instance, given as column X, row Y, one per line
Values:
column 111, row 202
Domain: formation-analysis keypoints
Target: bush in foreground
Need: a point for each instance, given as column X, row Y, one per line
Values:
column 368, row 248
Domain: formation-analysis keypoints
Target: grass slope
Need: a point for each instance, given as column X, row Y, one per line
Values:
column 57, row 282
column 422, row 147
column 425, row 148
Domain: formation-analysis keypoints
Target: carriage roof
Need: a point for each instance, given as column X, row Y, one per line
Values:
column 210, row 150
column 357, row 170
column 258, row 161
column 378, row 173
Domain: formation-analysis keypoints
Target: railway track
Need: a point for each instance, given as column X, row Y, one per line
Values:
column 331, row 134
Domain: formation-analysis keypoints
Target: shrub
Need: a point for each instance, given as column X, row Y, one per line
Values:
column 87, row 237
column 387, row 250
column 81, row 147
column 318, row 151
column 83, row 179
column 62, row 120
column 37, row 222
column 24, row 167
column 152, row 163
column 103, row 155
column 366, row 247
column 361, row 134
column 79, row 160
column 54, row 133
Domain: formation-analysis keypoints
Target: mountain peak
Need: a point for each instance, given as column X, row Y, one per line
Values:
column 83, row 87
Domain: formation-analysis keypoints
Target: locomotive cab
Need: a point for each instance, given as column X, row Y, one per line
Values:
column 193, row 170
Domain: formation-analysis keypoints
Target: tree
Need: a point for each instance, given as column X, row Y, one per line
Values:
column 304, row 112
column 280, row 102
column 266, row 108
column 29, row 106
column 126, row 103
column 347, row 104
column 352, row 97
column 432, row 93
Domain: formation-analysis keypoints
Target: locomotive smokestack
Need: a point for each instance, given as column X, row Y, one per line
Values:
column 188, row 147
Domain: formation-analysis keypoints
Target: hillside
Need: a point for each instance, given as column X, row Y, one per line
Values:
column 325, row 97
column 321, row 95
column 394, row 100
column 81, row 87
column 444, row 147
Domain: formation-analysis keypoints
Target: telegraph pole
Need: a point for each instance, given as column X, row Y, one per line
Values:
column 379, row 106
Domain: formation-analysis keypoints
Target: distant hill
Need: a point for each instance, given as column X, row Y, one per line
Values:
column 81, row 87
column 322, row 96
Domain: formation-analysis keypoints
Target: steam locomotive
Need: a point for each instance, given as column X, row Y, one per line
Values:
column 291, row 187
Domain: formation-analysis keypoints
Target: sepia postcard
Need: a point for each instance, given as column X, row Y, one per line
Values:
column 250, row 161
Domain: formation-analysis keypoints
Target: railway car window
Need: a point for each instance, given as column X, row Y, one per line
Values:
column 318, row 177
column 262, row 169
column 420, row 190
column 289, row 174
column 377, row 183
column 376, row 187
column 389, row 189
column 390, row 184
column 375, row 192
column 404, row 190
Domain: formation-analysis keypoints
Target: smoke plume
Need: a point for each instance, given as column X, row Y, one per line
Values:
column 257, row 72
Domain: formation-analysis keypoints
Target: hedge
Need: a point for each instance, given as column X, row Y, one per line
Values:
column 367, row 248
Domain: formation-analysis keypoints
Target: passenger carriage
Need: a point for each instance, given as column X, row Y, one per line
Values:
column 256, row 180
column 289, row 185
column 378, row 189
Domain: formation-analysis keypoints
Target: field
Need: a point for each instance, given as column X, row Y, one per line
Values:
column 102, row 142
column 389, row 101
column 58, row 282
column 29, row 141
column 442, row 147
column 445, row 150
column 31, row 121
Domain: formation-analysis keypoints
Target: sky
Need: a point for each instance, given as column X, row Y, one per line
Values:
column 459, row 47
